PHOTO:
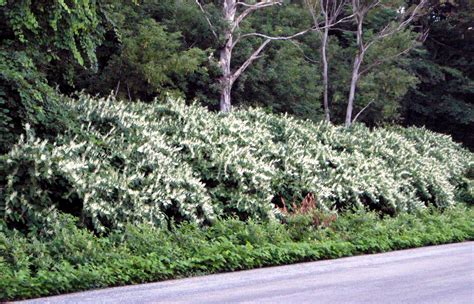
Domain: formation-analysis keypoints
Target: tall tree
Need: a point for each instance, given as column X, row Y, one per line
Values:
column 329, row 11
column 234, row 13
column 361, row 9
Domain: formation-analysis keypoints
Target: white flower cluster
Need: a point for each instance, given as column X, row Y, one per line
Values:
column 135, row 162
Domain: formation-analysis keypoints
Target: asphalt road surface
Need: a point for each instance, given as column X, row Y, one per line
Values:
column 439, row 274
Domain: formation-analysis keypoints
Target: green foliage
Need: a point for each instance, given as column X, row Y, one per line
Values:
column 388, row 78
column 151, row 59
column 73, row 259
column 41, row 41
column 466, row 188
column 26, row 97
column 157, row 162
column 444, row 99
column 295, row 84
column 157, row 55
column 55, row 26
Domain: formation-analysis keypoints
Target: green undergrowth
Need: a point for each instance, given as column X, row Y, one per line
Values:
column 75, row 259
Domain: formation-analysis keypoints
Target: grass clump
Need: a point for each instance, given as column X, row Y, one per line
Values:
column 73, row 259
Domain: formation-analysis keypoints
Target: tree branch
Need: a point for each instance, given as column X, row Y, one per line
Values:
column 211, row 26
column 388, row 31
column 246, row 64
column 317, row 28
column 251, row 8
column 302, row 52
column 360, row 112
column 258, row 4
column 276, row 37
column 386, row 59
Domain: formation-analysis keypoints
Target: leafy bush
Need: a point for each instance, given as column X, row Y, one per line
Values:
column 73, row 259
column 134, row 163
column 466, row 187
column 144, row 182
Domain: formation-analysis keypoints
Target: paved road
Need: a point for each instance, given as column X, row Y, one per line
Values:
column 441, row 274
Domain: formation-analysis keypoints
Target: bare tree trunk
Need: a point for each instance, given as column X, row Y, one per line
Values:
column 359, row 17
column 226, row 78
column 329, row 10
column 360, row 11
column 324, row 60
column 352, row 91
column 233, row 20
column 225, row 59
column 225, row 101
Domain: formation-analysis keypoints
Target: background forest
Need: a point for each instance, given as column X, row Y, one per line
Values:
column 146, row 49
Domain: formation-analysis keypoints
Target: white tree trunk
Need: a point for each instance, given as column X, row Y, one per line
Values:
column 352, row 91
column 359, row 17
column 360, row 11
column 229, row 10
column 233, row 20
column 324, row 59
column 330, row 10
column 225, row 100
column 226, row 78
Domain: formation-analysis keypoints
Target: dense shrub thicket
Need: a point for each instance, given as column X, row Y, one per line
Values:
column 73, row 259
column 135, row 163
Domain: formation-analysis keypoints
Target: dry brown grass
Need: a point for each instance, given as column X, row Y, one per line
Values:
column 309, row 207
